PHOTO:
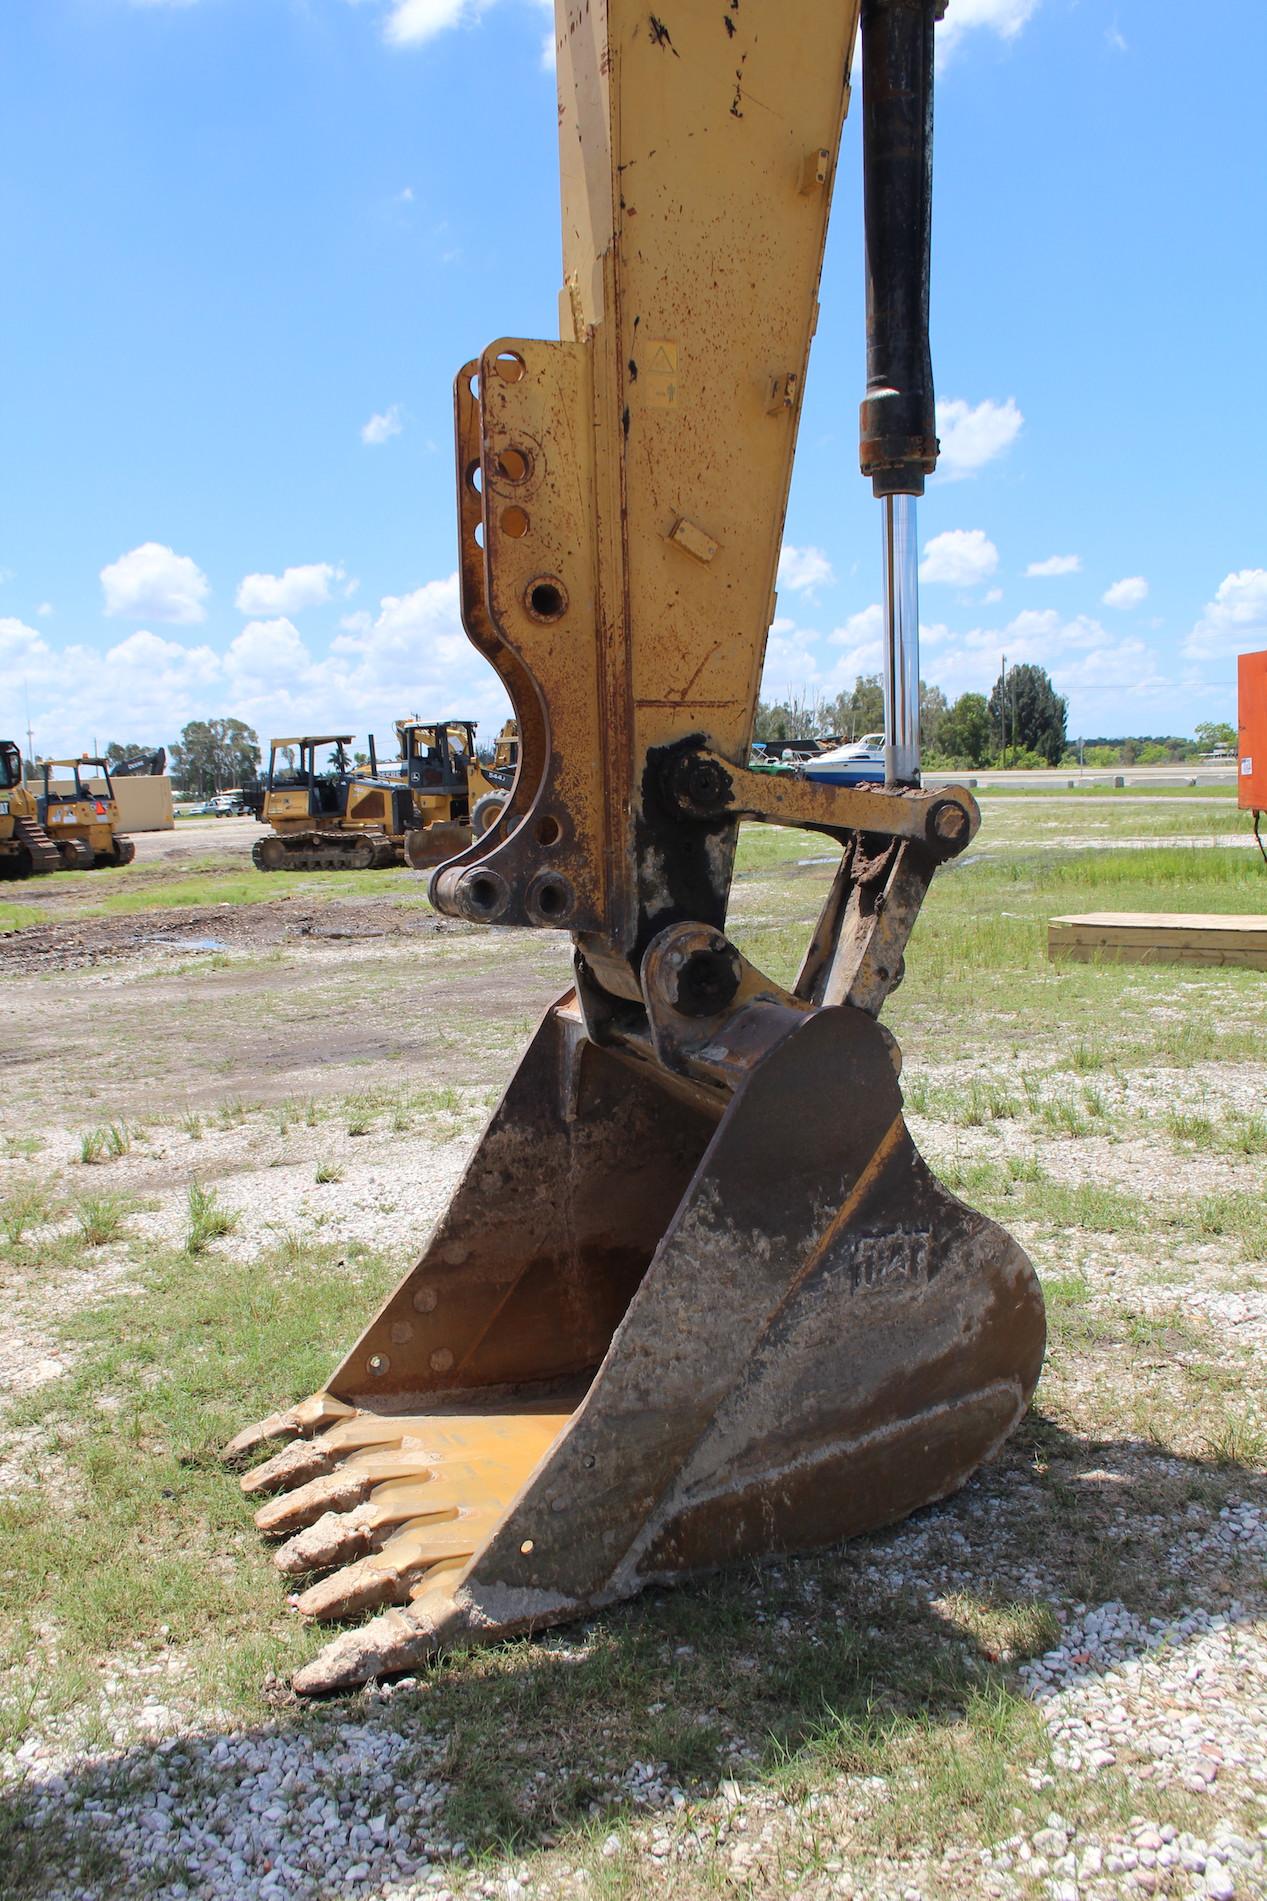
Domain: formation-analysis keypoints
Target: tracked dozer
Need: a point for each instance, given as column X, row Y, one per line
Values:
column 325, row 814
column 80, row 814
column 26, row 850
column 442, row 767
column 697, row 1298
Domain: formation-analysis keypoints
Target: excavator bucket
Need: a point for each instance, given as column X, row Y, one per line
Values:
column 696, row 1297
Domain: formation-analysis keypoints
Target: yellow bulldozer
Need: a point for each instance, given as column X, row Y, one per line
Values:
column 82, row 819
column 325, row 813
column 456, row 797
column 697, row 1298
column 26, row 850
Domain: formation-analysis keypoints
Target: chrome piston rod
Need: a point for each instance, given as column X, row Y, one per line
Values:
column 901, row 642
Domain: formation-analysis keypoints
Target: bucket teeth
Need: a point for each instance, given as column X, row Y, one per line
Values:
column 338, row 1491
column 337, row 1538
column 308, row 1416
column 294, row 1465
column 389, row 1576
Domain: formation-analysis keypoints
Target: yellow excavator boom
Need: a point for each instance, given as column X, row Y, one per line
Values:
column 696, row 1297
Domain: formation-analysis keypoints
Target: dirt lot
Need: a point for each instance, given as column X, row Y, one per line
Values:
column 232, row 1111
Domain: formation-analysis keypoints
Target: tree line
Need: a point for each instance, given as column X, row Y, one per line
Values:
column 1024, row 719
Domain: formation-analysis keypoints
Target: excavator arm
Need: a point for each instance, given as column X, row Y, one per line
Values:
column 696, row 1297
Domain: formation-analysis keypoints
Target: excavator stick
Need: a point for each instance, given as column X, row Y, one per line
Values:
column 696, row 1297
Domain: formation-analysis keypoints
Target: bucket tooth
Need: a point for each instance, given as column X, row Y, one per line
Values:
column 339, row 1490
column 387, row 1576
column 292, row 1422
column 384, row 1646
column 294, row 1465
column 341, row 1534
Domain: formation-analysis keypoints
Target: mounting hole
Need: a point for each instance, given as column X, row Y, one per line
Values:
column 514, row 465
column 549, row 831
column 474, row 477
column 514, row 522
column 483, row 893
column 527, row 1548
column 475, row 385
column 377, row 1365
column 552, row 899
column 510, row 367
column 477, row 534
column 545, row 598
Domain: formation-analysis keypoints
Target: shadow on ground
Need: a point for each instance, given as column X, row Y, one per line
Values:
column 803, row 1667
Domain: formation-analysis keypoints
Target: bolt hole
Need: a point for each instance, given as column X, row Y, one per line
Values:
column 546, row 599
column 514, row 523
column 377, row 1365
column 552, row 900
column 514, row 465
column 510, row 367
column 474, row 477
column 527, row 1547
column 477, row 534
column 475, row 385
column 482, row 893
column 549, row 831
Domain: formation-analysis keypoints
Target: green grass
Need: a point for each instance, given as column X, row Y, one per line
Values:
column 101, row 1218
column 208, row 1220
column 24, row 1205
column 106, row 1144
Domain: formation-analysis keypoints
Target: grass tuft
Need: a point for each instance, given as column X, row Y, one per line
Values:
column 208, row 1220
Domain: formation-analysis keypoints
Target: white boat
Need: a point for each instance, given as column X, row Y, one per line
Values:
column 860, row 762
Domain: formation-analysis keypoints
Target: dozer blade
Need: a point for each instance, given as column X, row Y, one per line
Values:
column 660, row 1327
column 427, row 846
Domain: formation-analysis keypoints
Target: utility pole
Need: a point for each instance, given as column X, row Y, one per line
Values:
column 1003, row 708
column 30, row 736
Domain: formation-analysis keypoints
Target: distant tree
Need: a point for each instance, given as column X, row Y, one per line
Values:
column 859, row 711
column 794, row 718
column 1212, row 733
column 213, row 754
column 933, row 708
column 966, row 730
column 1027, row 709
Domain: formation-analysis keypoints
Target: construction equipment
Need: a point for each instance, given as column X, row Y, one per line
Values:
column 696, row 1298
column 325, row 814
column 82, row 821
column 26, row 850
column 456, row 797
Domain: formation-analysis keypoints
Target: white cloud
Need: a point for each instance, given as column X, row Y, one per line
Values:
column 288, row 592
column 961, row 557
column 382, row 426
column 1053, row 565
column 411, row 654
column 1004, row 17
column 412, row 22
column 972, row 436
column 405, row 196
column 992, row 595
column 20, row 645
column 803, row 569
column 44, row 609
column 153, row 583
column 1235, row 621
column 1126, row 593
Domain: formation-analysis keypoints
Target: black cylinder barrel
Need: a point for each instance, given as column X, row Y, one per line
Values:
column 898, row 423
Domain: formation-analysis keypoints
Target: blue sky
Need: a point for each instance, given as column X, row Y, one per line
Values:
column 247, row 243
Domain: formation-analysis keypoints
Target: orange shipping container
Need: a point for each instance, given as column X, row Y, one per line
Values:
column 1251, row 781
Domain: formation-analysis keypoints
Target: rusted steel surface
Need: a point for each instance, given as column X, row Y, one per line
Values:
column 696, row 1297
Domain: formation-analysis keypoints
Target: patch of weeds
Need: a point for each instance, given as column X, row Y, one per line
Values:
column 208, row 1220
column 1190, row 1129
column 1236, row 1441
column 917, row 1095
column 101, row 1218
column 193, row 1126
column 1010, row 1632
column 25, row 1206
column 17, row 1146
column 92, row 1146
column 232, row 1113
column 1086, row 1057
column 1025, row 1168
column 987, row 1102
column 328, row 1172
column 1062, row 1115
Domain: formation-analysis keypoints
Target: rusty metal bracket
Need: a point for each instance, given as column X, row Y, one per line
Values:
column 703, row 785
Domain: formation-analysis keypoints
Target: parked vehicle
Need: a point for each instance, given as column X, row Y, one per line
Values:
column 861, row 762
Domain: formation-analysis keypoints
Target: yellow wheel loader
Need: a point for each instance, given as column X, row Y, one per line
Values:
column 81, row 820
column 26, row 850
column 697, row 1298
column 325, row 814
column 455, row 796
